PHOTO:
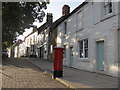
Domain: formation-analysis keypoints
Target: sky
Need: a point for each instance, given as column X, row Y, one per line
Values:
column 55, row 7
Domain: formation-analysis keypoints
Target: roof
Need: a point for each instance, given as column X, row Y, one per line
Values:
column 56, row 23
column 18, row 42
column 43, row 27
column 30, row 34
column 62, row 18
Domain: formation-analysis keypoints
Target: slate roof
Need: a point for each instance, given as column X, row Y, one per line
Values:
column 62, row 18
column 43, row 27
column 18, row 42
column 30, row 34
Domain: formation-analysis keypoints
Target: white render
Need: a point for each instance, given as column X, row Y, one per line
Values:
column 96, row 27
column 43, row 42
column 16, row 52
column 27, row 41
column 22, row 49
column 19, row 50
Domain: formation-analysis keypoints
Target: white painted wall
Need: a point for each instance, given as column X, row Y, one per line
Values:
column 22, row 49
column 95, row 27
column 43, row 42
column 32, row 43
column 15, row 52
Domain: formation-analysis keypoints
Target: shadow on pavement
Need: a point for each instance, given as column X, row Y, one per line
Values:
column 18, row 63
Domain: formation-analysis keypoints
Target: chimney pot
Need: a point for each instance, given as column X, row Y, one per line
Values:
column 49, row 18
column 65, row 10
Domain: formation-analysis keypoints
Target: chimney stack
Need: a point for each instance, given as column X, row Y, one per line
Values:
column 49, row 18
column 34, row 28
column 65, row 10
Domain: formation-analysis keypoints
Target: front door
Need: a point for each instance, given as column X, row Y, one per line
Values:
column 71, row 56
column 40, row 52
column 100, row 55
column 119, row 45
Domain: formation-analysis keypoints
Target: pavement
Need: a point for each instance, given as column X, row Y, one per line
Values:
column 17, row 73
column 74, row 78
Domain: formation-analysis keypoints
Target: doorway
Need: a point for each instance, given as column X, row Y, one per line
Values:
column 100, row 55
column 71, row 56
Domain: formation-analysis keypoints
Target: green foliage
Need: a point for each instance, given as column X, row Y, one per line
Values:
column 16, row 16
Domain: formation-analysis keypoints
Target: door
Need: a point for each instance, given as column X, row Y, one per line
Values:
column 100, row 55
column 119, row 45
column 40, row 52
column 71, row 56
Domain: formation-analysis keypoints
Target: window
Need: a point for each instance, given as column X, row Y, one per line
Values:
column 64, row 51
column 79, row 20
column 43, row 37
column 27, row 41
column 34, row 39
column 107, row 6
column 30, row 40
column 51, row 48
column 65, row 26
column 83, row 48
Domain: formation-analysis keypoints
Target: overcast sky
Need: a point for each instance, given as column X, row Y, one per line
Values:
column 55, row 7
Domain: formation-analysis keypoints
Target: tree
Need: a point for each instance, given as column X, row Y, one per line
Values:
column 16, row 16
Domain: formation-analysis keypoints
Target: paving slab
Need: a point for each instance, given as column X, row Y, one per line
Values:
column 75, row 78
column 18, row 73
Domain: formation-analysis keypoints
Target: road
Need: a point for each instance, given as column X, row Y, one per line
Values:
column 18, row 73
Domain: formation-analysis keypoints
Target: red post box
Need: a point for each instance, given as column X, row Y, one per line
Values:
column 58, row 62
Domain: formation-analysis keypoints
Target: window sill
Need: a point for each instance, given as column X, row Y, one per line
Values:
column 65, row 35
column 79, row 30
column 107, row 17
column 84, row 59
column 64, row 59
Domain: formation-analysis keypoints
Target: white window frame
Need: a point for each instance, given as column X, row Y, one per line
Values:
column 82, row 49
column 103, row 9
column 51, row 48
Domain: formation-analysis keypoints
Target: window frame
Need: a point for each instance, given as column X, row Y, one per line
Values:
column 83, row 49
column 27, row 41
column 81, row 28
column 64, row 55
column 65, row 27
column 51, row 48
column 103, row 10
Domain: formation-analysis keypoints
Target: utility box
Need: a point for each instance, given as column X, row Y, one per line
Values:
column 58, row 62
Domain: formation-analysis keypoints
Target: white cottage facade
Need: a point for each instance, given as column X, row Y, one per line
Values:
column 31, row 44
column 19, row 49
column 90, row 38
column 43, row 44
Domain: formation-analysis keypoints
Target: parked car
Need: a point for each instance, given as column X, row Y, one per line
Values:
column 4, row 53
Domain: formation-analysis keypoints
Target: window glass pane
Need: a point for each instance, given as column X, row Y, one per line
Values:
column 81, row 45
column 65, row 27
column 106, row 3
column 86, row 43
column 86, row 53
column 107, row 8
column 81, row 53
column 110, row 7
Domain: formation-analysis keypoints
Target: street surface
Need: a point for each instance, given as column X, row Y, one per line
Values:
column 76, row 78
column 18, row 73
